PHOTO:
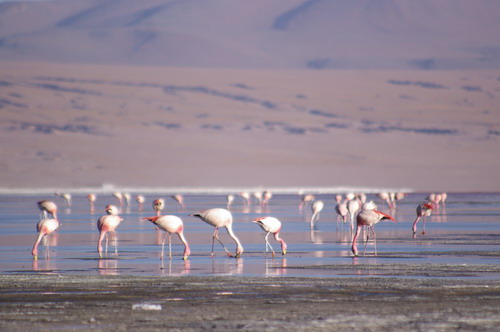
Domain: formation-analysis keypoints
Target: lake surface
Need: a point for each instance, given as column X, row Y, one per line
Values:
column 464, row 233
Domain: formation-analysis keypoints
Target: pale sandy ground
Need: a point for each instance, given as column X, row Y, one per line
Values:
column 66, row 126
column 120, row 303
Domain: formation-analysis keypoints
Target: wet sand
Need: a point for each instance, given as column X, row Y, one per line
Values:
column 60, row 302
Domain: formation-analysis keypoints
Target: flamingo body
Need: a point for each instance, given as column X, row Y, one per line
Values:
column 48, row 207
column 316, row 208
column 367, row 218
column 44, row 227
column 423, row 210
column 107, row 223
column 218, row 217
column 171, row 225
column 271, row 225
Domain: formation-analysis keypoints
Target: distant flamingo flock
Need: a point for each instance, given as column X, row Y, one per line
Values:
column 362, row 215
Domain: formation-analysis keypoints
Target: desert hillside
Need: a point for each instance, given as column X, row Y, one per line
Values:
column 278, row 34
column 89, row 125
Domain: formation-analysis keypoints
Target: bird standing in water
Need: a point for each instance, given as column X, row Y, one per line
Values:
column 158, row 205
column 424, row 210
column 368, row 218
column 271, row 225
column 44, row 227
column 48, row 207
column 218, row 217
column 316, row 208
column 171, row 225
column 105, row 224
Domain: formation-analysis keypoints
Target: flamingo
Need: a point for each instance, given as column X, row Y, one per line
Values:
column 424, row 209
column 140, row 199
column 369, row 206
column 361, row 197
column 316, row 208
column 48, row 207
column 218, row 217
column 171, row 225
column 258, row 196
column 368, row 218
column 119, row 197
column 179, row 199
column 338, row 198
column 92, row 198
column 267, row 195
column 385, row 197
column 229, row 199
column 304, row 199
column 341, row 209
column 246, row 197
column 158, row 205
column 66, row 197
column 105, row 224
column 44, row 227
column 353, row 208
column 127, row 198
column 444, row 196
column 271, row 225
column 350, row 196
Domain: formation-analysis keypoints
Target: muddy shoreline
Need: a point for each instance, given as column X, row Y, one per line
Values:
column 42, row 302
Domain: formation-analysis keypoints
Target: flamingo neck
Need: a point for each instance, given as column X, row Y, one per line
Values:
column 239, row 247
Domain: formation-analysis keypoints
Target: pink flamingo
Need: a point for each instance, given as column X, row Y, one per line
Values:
column 218, row 217
column 271, row 225
column 140, row 199
column 119, row 197
column 92, row 198
column 48, row 207
column 44, row 227
column 105, row 224
column 229, row 199
column 267, row 195
column 338, row 198
column 423, row 210
column 171, row 225
column 385, row 197
column 158, row 205
column 246, row 197
column 304, row 199
column 316, row 208
column 368, row 218
column 353, row 207
column 179, row 199
column 66, row 197
column 341, row 209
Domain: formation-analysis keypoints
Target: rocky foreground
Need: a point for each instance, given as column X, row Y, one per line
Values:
column 63, row 302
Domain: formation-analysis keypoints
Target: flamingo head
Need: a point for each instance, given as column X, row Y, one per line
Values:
column 428, row 206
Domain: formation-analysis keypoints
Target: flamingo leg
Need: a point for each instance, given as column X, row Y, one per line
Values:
column 106, row 250
column 423, row 227
column 46, row 244
column 169, row 246
column 163, row 245
column 366, row 235
column 269, row 244
column 216, row 236
column 115, row 241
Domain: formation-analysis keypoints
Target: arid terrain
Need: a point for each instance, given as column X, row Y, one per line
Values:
column 66, row 126
column 55, row 302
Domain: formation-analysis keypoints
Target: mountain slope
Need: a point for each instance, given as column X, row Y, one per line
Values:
column 375, row 34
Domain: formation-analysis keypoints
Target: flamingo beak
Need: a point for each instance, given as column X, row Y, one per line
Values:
column 284, row 252
column 35, row 257
column 185, row 257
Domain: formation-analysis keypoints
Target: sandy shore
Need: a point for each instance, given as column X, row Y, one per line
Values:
column 60, row 302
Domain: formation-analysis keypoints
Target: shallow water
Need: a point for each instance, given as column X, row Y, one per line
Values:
column 466, row 233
